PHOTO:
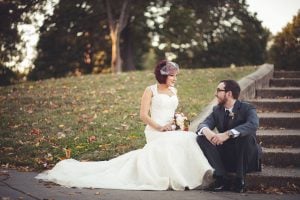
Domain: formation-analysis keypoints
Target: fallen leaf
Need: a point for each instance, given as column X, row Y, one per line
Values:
column 60, row 135
column 35, row 131
column 30, row 111
column 92, row 139
column 68, row 152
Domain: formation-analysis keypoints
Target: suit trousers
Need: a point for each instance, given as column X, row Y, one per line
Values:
column 239, row 155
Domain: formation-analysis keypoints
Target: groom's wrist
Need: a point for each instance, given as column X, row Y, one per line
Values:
column 201, row 131
column 230, row 134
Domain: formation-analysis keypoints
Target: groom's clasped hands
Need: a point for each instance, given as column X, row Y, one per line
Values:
column 215, row 139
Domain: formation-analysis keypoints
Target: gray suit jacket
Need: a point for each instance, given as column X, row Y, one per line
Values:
column 245, row 119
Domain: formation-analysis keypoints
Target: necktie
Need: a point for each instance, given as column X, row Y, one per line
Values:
column 226, row 120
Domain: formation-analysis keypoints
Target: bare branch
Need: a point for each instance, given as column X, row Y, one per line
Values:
column 109, row 15
column 124, row 14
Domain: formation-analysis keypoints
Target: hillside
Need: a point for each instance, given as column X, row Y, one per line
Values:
column 96, row 117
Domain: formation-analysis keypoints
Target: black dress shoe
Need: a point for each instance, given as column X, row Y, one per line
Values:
column 240, row 185
column 221, row 184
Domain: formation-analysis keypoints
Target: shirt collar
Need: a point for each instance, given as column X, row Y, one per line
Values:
column 229, row 109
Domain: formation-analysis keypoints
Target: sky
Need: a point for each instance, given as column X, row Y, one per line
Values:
column 274, row 14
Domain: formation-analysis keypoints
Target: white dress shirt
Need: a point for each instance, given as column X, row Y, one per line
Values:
column 235, row 132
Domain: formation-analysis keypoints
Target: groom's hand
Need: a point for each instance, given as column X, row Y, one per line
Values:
column 209, row 134
column 218, row 139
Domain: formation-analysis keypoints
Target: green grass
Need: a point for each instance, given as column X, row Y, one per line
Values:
column 97, row 114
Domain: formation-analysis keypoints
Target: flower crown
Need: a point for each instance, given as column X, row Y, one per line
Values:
column 169, row 68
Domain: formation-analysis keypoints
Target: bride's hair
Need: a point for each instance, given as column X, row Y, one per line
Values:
column 163, row 69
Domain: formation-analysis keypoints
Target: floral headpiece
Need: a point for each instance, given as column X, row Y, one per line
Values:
column 169, row 68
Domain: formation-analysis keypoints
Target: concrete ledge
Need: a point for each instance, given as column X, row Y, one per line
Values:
column 258, row 79
column 205, row 112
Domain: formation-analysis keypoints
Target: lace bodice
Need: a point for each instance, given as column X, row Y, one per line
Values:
column 163, row 106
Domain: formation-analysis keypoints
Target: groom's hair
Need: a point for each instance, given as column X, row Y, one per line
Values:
column 233, row 86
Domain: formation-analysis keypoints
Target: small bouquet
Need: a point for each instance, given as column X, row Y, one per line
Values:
column 181, row 122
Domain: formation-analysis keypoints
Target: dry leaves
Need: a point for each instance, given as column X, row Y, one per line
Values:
column 92, row 138
column 39, row 119
column 35, row 131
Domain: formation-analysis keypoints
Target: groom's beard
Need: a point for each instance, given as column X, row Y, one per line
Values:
column 223, row 101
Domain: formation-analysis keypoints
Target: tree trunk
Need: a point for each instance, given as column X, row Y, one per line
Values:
column 116, row 26
column 127, row 50
column 116, row 60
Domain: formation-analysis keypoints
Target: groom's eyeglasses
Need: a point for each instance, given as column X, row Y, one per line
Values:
column 220, row 90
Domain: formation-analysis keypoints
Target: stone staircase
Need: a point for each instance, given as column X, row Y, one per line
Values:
column 278, row 108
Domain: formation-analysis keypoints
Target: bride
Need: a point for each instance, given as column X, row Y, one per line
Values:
column 171, row 159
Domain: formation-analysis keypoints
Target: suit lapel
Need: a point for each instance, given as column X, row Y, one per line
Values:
column 221, row 115
column 235, row 110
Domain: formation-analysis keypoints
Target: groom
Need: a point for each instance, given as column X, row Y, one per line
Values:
column 234, row 148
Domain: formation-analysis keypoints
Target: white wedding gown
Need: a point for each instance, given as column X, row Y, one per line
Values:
column 169, row 160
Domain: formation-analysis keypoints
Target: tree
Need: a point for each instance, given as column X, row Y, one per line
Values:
column 135, row 40
column 181, row 28
column 84, row 36
column 13, row 13
column 127, row 22
column 7, row 76
column 213, row 33
column 72, row 41
column 76, row 39
column 238, row 37
column 285, row 51
column 116, row 26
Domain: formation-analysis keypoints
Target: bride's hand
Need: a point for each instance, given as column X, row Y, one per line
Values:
column 167, row 127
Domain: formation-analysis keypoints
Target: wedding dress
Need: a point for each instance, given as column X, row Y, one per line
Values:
column 169, row 160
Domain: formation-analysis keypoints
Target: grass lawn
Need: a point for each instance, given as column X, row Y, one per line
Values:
column 95, row 116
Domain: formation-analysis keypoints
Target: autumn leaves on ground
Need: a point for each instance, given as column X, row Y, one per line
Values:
column 93, row 117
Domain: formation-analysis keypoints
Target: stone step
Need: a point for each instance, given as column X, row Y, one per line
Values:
column 285, row 82
column 279, row 138
column 286, row 178
column 279, row 133
column 286, row 74
column 281, row 157
column 276, row 105
column 273, row 120
column 278, row 92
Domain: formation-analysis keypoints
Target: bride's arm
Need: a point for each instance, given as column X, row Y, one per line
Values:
column 145, row 108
